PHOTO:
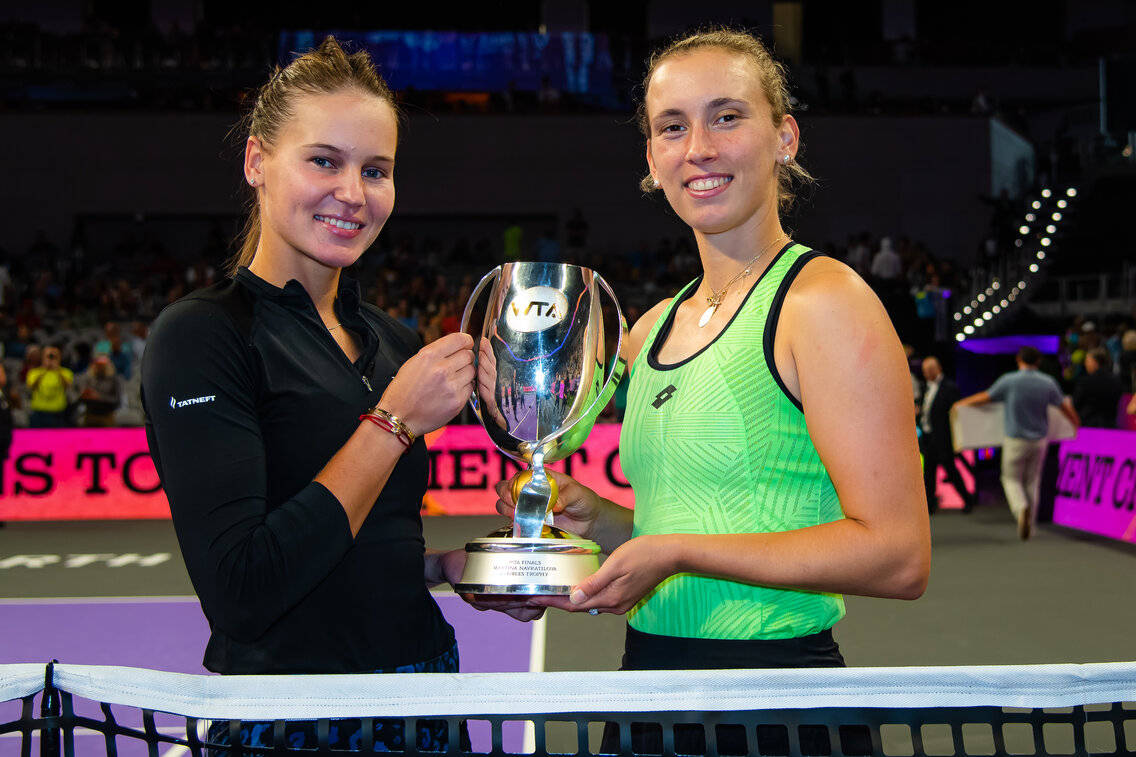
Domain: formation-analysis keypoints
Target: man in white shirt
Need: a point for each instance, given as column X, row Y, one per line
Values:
column 935, row 435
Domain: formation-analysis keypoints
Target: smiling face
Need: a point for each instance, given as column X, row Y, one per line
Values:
column 325, row 185
column 713, row 146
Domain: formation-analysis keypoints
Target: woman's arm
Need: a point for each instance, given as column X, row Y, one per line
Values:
column 980, row 398
column 428, row 390
column 249, row 565
column 837, row 352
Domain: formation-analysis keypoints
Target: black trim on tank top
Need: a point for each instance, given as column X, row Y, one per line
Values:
column 665, row 330
column 775, row 313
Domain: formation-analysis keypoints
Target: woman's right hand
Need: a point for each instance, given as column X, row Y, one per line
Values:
column 576, row 508
column 431, row 387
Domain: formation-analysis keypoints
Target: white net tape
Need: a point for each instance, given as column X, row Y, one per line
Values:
column 418, row 694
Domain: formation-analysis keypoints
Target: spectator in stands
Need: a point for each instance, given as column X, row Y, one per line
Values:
column 1096, row 395
column 1026, row 395
column 576, row 234
column 100, row 392
column 887, row 266
column 33, row 358
column 511, row 241
column 16, row 346
column 49, row 385
column 1127, row 361
column 6, row 423
column 138, row 332
column 860, row 254
column 548, row 247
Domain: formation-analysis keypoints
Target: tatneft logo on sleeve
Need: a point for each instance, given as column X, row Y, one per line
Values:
column 175, row 404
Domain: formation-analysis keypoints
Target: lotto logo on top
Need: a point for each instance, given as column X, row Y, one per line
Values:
column 536, row 309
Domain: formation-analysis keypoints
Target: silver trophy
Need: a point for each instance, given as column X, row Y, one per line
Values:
column 540, row 386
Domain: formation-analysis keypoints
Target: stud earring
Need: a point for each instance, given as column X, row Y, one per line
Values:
column 655, row 182
column 786, row 158
column 252, row 182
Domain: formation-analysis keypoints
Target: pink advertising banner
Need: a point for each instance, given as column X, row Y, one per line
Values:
column 1096, row 483
column 107, row 474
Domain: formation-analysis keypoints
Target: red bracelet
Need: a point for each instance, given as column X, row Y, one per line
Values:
column 390, row 423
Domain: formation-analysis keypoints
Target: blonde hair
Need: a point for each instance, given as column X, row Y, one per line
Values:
column 774, row 84
column 325, row 70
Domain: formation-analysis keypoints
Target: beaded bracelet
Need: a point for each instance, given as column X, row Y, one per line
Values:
column 390, row 423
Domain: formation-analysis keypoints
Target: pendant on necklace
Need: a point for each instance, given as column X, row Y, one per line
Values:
column 707, row 314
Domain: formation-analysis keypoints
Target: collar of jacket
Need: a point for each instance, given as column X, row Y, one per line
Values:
column 294, row 294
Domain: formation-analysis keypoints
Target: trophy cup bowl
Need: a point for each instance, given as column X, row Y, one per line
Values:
column 540, row 387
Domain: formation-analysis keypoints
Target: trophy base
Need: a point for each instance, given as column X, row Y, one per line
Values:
column 552, row 564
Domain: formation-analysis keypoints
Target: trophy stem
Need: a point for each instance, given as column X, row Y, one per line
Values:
column 533, row 501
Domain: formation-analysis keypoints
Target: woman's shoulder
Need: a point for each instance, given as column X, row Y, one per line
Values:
column 824, row 276
column 222, row 310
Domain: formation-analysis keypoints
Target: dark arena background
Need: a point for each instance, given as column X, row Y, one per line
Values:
column 975, row 165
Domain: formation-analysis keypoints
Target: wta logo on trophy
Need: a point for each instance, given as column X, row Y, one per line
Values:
column 536, row 309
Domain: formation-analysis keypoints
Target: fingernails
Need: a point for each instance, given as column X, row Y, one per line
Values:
column 577, row 597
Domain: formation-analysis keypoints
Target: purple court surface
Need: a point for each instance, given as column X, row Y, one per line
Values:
column 169, row 633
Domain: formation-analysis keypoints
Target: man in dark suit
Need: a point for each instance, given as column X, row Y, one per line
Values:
column 935, row 437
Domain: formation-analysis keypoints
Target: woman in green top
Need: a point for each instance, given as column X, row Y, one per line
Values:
column 768, row 434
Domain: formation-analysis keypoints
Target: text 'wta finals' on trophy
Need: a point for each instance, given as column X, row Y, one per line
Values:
column 540, row 386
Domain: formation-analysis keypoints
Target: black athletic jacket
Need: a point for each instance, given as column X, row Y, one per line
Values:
column 247, row 397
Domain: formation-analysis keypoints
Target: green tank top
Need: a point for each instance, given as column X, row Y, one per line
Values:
column 715, row 444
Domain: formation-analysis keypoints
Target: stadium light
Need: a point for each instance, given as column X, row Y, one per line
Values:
column 1033, row 267
column 1071, row 191
column 1045, row 241
column 1045, row 193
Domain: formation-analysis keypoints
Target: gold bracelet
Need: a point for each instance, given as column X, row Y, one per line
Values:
column 397, row 426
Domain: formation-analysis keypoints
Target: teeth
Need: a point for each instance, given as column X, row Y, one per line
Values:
column 701, row 185
column 340, row 224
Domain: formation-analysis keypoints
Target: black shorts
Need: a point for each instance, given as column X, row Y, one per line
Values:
column 648, row 651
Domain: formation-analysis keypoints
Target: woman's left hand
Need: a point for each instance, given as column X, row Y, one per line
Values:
column 628, row 575
column 521, row 608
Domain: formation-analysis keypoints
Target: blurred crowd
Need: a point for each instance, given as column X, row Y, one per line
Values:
column 74, row 320
column 1098, row 368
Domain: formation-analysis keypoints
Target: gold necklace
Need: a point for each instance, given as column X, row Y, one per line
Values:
column 715, row 298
